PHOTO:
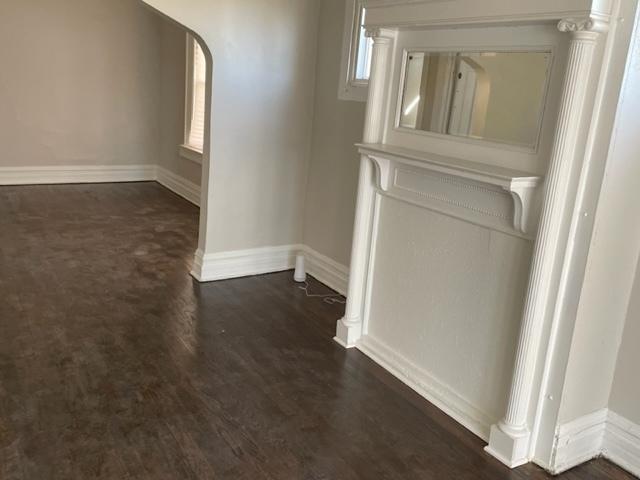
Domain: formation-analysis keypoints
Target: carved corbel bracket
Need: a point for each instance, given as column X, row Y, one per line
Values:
column 523, row 199
column 383, row 172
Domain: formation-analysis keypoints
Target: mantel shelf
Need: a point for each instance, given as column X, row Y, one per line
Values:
column 519, row 184
column 480, row 172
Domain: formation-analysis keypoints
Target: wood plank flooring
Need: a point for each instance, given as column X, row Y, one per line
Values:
column 115, row 364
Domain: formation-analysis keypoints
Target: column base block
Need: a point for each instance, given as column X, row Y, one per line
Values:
column 512, row 449
column 198, row 266
column 348, row 332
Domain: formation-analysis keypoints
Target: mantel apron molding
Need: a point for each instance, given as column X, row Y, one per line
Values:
column 493, row 197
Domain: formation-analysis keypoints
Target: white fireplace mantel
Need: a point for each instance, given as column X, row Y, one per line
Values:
column 484, row 194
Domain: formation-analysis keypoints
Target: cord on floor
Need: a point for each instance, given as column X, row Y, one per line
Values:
column 334, row 299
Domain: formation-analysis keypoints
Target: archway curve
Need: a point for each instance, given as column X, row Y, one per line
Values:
column 206, row 153
column 260, row 103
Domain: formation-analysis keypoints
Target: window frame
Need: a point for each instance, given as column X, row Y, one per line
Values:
column 186, row 150
column 351, row 88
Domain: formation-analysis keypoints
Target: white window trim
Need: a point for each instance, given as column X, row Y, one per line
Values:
column 185, row 150
column 190, row 153
column 350, row 88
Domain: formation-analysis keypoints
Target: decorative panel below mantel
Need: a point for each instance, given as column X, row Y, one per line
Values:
column 468, row 200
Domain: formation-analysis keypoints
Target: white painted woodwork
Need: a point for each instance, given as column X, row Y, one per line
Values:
column 210, row 268
column 421, row 196
column 326, row 270
column 568, row 335
column 510, row 439
column 621, row 442
column 606, row 300
column 602, row 433
column 74, row 174
column 499, row 39
column 579, row 441
column 493, row 196
column 243, row 263
column 349, row 328
column 190, row 153
column 179, row 185
column 61, row 174
column 454, row 13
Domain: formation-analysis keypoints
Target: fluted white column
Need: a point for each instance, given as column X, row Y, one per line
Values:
column 510, row 439
column 349, row 328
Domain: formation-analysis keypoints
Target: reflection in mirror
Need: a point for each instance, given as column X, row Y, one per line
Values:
column 497, row 96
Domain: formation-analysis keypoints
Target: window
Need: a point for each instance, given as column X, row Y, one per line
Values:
column 356, row 54
column 364, row 48
column 195, row 107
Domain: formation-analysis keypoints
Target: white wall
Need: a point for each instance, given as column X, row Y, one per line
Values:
column 625, row 394
column 263, row 74
column 79, row 83
column 337, row 127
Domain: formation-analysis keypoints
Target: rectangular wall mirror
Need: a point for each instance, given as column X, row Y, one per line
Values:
column 495, row 96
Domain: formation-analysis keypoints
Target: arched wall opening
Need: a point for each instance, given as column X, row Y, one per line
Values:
column 261, row 99
column 93, row 94
column 102, row 59
column 206, row 151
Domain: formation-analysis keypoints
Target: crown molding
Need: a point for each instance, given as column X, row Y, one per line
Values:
column 408, row 14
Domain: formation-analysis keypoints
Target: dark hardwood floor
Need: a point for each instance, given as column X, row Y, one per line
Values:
column 115, row 364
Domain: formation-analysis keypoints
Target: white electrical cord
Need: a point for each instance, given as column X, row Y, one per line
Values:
column 328, row 299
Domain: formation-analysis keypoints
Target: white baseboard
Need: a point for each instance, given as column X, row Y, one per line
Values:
column 244, row 263
column 425, row 384
column 76, row 174
column 326, row 270
column 579, row 441
column 179, row 185
column 602, row 433
column 622, row 443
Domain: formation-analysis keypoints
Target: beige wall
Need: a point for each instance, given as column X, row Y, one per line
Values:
column 337, row 126
column 79, row 83
column 102, row 83
column 625, row 395
column 93, row 83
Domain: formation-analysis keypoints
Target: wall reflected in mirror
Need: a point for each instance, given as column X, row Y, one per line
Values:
column 495, row 96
